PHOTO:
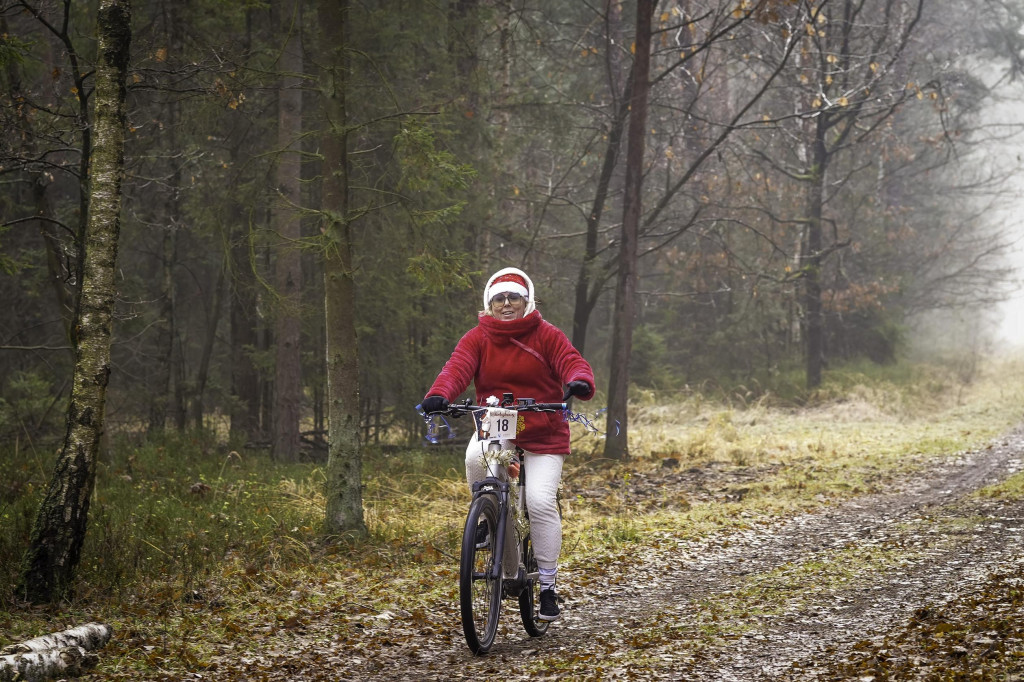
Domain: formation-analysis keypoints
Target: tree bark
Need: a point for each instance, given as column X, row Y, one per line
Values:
column 616, row 445
column 169, row 390
column 59, row 530
column 70, row 661
column 203, row 372
column 60, row 654
column 588, row 281
column 89, row 636
column 811, row 259
column 344, row 513
column 56, row 265
column 830, row 132
column 63, row 260
column 246, row 383
column 245, row 379
column 288, row 267
column 164, row 376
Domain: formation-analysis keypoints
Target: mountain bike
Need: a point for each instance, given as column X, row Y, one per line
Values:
column 497, row 560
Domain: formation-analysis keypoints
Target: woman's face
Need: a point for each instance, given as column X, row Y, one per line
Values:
column 508, row 306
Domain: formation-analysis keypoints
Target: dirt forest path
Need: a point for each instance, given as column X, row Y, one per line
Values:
column 923, row 580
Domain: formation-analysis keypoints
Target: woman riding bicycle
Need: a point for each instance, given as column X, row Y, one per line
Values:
column 514, row 350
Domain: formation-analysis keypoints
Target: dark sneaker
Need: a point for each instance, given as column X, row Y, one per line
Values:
column 481, row 535
column 549, row 606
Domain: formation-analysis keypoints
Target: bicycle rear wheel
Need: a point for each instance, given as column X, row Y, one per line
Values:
column 529, row 598
column 479, row 591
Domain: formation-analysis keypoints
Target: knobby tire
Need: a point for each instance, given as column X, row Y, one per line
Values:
column 529, row 598
column 479, row 592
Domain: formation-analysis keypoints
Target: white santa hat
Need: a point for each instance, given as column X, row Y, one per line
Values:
column 508, row 281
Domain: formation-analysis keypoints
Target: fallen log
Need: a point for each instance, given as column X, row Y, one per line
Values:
column 36, row 666
column 67, row 653
column 89, row 636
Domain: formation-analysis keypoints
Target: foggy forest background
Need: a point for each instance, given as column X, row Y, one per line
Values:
column 818, row 178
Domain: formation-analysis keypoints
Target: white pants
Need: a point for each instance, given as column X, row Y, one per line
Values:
column 543, row 473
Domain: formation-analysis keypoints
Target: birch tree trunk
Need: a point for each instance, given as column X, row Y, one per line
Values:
column 60, row 654
column 49, row 664
column 59, row 530
column 89, row 636
column 615, row 445
column 344, row 512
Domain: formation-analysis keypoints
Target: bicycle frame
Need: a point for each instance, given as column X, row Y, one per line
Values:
column 496, row 481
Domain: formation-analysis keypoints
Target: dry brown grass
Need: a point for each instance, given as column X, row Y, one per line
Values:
column 758, row 458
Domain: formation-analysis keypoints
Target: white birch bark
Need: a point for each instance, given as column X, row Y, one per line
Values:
column 89, row 636
column 45, row 665
column 60, row 654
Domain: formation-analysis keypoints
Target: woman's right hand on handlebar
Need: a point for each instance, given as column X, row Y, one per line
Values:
column 434, row 403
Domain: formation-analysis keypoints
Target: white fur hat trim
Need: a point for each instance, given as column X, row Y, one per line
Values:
column 510, row 286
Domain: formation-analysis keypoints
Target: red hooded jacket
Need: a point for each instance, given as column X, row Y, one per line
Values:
column 529, row 358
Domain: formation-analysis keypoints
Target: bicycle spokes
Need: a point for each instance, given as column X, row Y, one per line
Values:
column 479, row 583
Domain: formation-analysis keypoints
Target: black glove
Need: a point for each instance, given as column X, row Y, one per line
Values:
column 576, row 388
column 434, row 403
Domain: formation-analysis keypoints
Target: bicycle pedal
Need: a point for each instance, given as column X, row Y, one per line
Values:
column 511, row 588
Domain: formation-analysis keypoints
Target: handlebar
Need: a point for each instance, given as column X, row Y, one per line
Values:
column 508, row 403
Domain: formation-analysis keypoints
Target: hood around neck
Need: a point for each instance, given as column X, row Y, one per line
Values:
column 500, row 330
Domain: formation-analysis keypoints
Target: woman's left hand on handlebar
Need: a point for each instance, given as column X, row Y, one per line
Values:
column 574, row 388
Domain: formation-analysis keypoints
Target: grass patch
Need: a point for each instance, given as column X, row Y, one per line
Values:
column 1011, row 488
column 197, row 554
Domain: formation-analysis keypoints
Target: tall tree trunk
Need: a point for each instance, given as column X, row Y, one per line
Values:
column 246, row 387
column 163, row 375
column 245, row 380
column 56, row 264
column 63, row 264
column 203, row 372
column 616, row 445
column 462, row 46
column 288, row 267
column 59, row 530
column 811, row 258
column 167, row 393
column 264, row 337
column 814, row 156
column 588, row 281
column 344, row 463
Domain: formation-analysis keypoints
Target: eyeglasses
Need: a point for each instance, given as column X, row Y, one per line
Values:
column 500, row 299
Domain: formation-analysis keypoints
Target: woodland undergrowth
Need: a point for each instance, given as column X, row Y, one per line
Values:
column 183, row 527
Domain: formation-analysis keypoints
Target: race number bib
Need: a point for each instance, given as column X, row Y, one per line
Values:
column 498, row 424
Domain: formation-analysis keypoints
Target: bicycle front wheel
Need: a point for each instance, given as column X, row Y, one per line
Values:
column 479, row 590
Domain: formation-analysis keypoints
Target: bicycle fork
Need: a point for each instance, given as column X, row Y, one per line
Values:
column 513, row 585
column 500, row 489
